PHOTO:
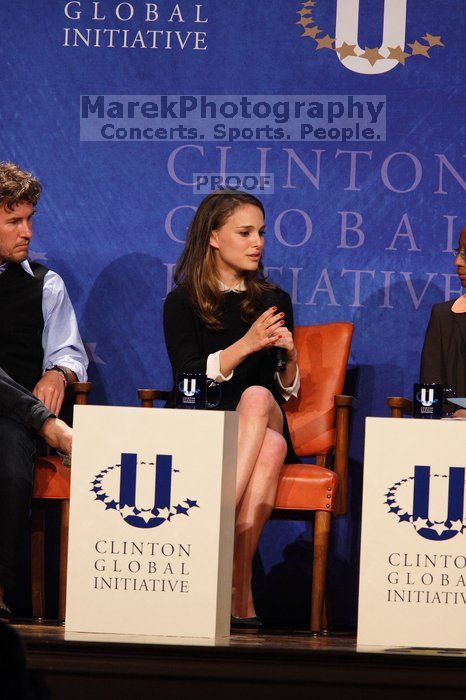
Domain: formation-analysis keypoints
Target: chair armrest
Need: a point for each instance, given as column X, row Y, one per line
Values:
column 148, row 396
column 80, row 392
column 340, row 462
column 341, row 400
column 399, row 405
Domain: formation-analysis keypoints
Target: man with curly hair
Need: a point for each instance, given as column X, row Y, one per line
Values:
column 41, row 352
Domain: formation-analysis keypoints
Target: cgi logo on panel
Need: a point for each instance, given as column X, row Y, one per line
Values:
column 140, row 491
column 344, row 42
column 432, row 503
column 426, row 397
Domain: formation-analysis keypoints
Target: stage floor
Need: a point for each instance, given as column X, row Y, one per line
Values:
column 250, row 665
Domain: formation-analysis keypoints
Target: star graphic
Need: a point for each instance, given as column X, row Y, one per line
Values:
column 304, row 21
column 433, row 40
column 456, row 525
column 96, row 481
column 372, row 56
column 180, row 510
column 146, row 515
column 389, row 501
column 394, row 509
column 111, row 504
column 125, row 511
column 439, row 528
column 326, row 42
column 404, row 517
column 346, row 50
column 100, row 497
column 97, row 488
column 312, row 32
column 398, row 54
column 420, row 523
column 92, row 354
column 164, row 513
column 309, row 3
column 303, row 12
column 419, row 49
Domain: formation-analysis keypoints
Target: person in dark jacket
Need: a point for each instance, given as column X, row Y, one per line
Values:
column 443, row 358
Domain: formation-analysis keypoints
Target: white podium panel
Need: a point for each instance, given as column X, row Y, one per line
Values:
column 412, row 589
column 151, row 522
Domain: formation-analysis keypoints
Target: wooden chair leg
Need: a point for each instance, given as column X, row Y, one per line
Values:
column 64, row 527
column 321, row 537
column 325, row 615
column 37, row 561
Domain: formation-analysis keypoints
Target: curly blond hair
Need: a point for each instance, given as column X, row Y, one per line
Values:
column 17, row 186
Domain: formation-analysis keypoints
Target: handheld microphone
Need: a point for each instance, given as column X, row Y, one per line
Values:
column 278, row 354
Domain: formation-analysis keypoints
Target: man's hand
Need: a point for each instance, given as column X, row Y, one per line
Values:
column 50, row 389
column 461, row 413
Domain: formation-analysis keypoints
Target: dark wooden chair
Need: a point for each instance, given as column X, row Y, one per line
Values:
column 398, row 406
column 318, row 421
column 51, row 486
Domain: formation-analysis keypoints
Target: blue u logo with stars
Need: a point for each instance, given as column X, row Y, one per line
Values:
column 116, row 487
column 414, row 494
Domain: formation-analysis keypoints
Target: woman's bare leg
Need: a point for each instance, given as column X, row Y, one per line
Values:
column 257, row 411
column 259, row 439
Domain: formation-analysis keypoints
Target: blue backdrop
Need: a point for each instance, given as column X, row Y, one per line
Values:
column 365, row 238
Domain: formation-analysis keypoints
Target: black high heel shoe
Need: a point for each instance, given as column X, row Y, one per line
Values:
column 5, row 612
column 246, row 623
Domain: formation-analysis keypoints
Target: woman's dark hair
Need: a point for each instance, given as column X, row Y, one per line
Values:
column 196, row 269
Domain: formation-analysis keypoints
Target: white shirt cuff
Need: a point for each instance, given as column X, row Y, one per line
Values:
column 213, row 368
column 288, row 391
column 71, row 363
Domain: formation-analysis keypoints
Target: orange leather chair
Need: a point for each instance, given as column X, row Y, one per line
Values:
column 51, row 485
column 318, row 421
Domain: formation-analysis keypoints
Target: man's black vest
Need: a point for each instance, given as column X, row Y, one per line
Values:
column 22, row 323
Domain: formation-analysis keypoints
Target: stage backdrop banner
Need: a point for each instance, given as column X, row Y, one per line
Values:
column 346, row 117
column 151, row 522
column 412, row 589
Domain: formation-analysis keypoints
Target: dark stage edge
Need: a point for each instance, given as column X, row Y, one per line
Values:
column 279, row 665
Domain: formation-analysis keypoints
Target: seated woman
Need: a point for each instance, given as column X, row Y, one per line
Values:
column 444, row 353
column 222, row 319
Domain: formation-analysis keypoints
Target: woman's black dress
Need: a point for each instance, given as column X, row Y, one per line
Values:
column 444, row 352
column 189, row 342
